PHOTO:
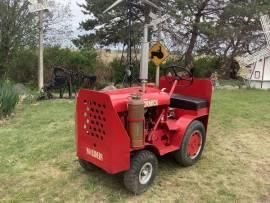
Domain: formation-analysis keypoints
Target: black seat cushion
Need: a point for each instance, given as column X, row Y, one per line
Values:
column 188, row 103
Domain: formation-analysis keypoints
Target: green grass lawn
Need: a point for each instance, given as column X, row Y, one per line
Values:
column 38, row 162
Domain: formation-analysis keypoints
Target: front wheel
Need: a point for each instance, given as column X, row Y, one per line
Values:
column 192, row 144
column 142, row 172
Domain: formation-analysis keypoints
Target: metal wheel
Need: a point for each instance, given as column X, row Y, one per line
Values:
column 142, row 172
column 194, row 144
column 145, row 173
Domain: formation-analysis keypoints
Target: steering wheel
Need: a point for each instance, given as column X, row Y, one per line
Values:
column 180, row 74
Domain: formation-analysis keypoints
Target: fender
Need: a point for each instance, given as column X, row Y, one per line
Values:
column 183, row 123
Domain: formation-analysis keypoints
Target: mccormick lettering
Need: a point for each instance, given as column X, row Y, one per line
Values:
column 95, row 154
column 150, row 103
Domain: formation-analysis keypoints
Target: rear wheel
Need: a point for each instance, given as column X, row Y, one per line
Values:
column 192, row 145
column 86, row 165
column 142, row 172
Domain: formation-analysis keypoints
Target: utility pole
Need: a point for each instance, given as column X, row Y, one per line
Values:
column 39, row 7
column 41, row 49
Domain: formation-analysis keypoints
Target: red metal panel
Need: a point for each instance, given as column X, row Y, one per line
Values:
column 183, row 123
column 119, row 98
column 199, row 89
column 101, row 136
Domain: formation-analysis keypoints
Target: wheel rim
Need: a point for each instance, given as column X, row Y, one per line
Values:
column 145, row 173
column 194, row 144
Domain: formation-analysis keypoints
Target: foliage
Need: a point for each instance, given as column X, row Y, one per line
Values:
column 58, row 25
column 17, row 29
column 104, row 72
column 118, row 69
column 19, row 32
column 84, row 60
column 224, row 28
column 205, row 66
column 194, row 17
column 23, row 66
column 109, row 28
column 237, row 31
column 9, row 98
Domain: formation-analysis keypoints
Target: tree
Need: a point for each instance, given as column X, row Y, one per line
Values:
column 58, row 25
column 19, row 33
column 224, row 28
column 237, row 31
column 111, row 28
column 191, row 18
column 17, row 29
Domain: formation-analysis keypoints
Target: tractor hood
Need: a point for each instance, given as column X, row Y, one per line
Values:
column 152, row 97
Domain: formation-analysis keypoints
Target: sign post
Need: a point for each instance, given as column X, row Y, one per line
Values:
column 157, row 75
column 39, row 6
column 158, row 54
column 41, row 51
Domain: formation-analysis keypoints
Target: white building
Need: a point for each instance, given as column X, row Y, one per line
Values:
column 258, row 65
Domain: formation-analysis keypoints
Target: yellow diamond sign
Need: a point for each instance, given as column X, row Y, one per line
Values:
column 158, row 53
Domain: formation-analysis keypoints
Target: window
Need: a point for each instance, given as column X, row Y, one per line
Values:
column 257, row 75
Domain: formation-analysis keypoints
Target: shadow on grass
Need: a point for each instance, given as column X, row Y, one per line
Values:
column 112, row 186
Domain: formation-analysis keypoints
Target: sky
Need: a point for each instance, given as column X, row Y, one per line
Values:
column 78, row 16
column 76, row 19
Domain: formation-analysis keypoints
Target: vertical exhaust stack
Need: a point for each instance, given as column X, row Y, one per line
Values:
column 144, row 59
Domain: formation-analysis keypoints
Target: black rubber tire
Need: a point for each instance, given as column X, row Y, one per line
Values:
column 131, row 177
column 181, row 156
column 86, row 165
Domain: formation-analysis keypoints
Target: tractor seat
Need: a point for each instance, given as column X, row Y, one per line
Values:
column 187, row 103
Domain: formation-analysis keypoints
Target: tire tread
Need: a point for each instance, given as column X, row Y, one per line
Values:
column 180, row 154
column 131, row 178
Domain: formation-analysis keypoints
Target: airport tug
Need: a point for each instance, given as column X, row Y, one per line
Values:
column 126, row 130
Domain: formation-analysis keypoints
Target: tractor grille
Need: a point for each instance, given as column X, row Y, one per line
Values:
column 99, row 132
column 94, row 119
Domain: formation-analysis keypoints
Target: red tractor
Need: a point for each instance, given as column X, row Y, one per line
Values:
column 126, row 130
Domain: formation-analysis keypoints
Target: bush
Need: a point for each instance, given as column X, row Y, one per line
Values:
column 104, row 73
column 205, row 66
column 79, row 60
column 118, row 70
column 23, row 67
column 9, row 98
